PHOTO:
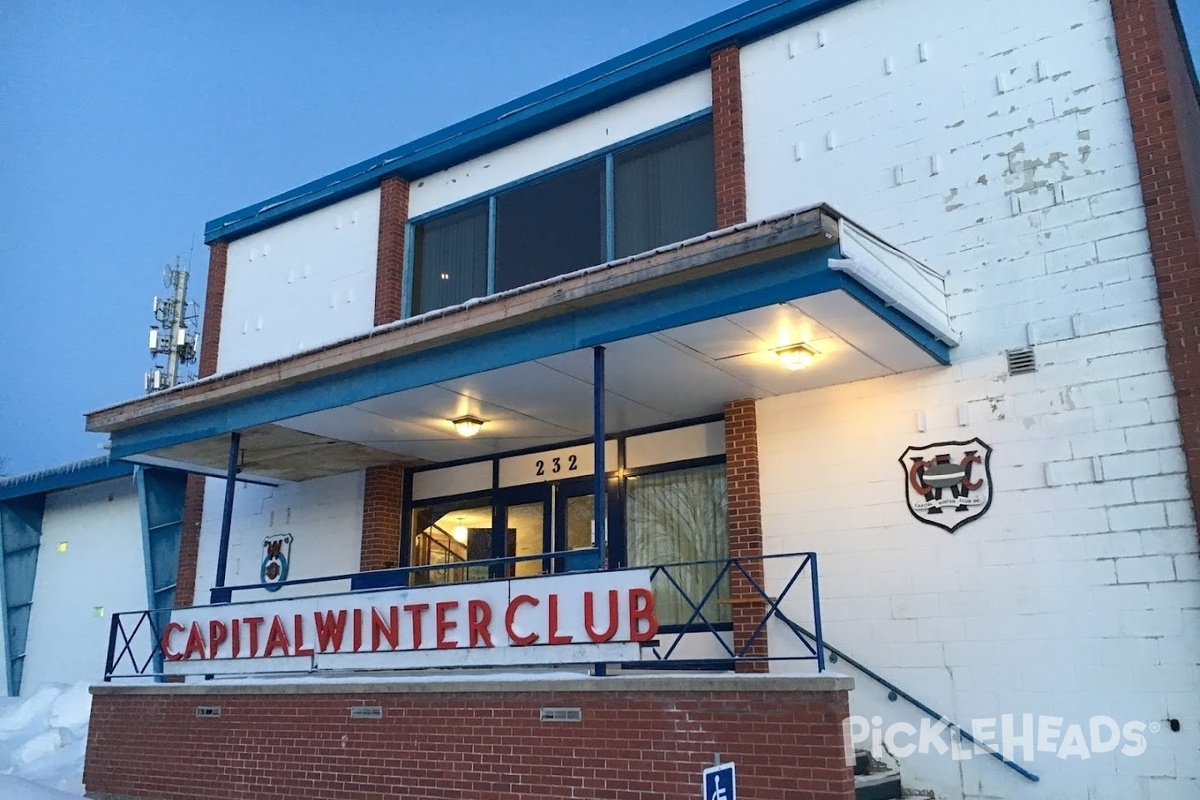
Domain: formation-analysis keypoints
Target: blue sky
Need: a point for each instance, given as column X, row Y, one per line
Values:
column 125, row 126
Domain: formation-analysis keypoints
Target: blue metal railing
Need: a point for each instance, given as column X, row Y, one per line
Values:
column 895, row 692
column 135, row 649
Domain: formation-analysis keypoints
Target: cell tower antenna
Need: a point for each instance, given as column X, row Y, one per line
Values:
column 176, row 335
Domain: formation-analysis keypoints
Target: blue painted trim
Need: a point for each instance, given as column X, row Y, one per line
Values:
column 660, row 62
column 770, row 282
column 21, row 518
column 139, row 478
column 605, row 152
column 67, row 476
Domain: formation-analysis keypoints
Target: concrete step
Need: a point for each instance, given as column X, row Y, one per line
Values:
column 877, row 786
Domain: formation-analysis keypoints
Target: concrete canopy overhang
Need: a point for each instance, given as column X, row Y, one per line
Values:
column 686, row 328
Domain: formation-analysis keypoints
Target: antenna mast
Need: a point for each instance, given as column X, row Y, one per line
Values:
column 172, row 336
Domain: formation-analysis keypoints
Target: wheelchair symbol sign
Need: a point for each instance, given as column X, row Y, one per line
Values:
column 720, row 783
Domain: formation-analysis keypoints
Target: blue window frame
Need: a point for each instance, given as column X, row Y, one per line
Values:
column 649, row 191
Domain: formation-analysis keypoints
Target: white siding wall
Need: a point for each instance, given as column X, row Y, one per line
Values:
column 1004, row 159
column 324, row 517
column 302, row 284
column 102, row 566
column 580, row 137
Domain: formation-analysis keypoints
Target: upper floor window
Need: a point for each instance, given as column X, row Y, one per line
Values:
column 662, row 190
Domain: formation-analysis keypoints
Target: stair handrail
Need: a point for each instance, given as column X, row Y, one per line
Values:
column 895, row 691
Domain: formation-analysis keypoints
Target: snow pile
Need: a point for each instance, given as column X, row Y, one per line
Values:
column 42, row 741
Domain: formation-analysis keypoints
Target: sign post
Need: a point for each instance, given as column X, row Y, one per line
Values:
column 720, row 782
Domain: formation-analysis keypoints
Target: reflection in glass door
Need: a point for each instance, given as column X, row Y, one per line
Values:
column 525, row 536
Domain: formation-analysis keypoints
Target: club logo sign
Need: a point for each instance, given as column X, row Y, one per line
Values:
column 277, row 555
column 948, row 484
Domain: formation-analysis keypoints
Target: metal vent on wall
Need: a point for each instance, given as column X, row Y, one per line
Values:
column 1021, row 362
column 562, row 715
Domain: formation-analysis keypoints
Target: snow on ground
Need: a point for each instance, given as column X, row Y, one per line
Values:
column 42, row 740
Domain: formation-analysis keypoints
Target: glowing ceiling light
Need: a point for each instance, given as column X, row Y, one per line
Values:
column 460, row 534
column 467, row 426
column 798, row 356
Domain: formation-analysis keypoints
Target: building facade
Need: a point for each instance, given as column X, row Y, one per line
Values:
column 907, row 285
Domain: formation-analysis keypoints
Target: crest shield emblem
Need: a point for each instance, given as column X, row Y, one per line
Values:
column 948, row 484
column 277, row 556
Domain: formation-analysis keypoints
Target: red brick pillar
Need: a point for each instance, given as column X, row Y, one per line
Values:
column 745, row 527
column 389, row 260
column 189, row 541
column 193, row 496
column 382, row 497
column 729, row 151
column 214, row 305
column 1165, row 117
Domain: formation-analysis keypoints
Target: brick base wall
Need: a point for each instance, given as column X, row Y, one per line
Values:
column 643, row 738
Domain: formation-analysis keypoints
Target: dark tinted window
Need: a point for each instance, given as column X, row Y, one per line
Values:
column 550, row 228
column 450, row 259
column 665, row 190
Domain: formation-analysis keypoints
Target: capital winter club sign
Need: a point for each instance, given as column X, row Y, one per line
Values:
column 575, row 618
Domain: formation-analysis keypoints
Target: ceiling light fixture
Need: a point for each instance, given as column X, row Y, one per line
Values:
column 467, row 426
column 459, row 534
column 797, row 356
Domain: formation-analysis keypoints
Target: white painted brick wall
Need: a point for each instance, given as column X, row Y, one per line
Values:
column 103, row 567
column 323, row 515
column 302, row 284
column 1005, row 161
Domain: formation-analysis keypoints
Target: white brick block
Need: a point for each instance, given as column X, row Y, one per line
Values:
column 1131, row 465
column 1113, row 545
column 1071, row 257
column 1137, row 517
column 1168, row 541
column 1143, row 387
column 1164, row 409
column 1124, row 597
column 1122, row 415
column 1187, row 567
column 1151, row 437
column 1100, row 443
column 1145, row 569
column 1166, row 487
column 1060, row 473
column 1180, row 514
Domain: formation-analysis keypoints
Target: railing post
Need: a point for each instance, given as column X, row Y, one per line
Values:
column 816, row 601
column 109, row 666
column 600, row 509
column 235, row 441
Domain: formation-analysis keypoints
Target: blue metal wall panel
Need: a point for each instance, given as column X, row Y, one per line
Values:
column 20, row 538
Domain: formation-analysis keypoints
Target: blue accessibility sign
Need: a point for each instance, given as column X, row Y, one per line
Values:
column 720, row 782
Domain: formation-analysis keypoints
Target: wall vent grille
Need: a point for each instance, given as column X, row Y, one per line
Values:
column 208, row 711
column 1021, row 362
column 366, row 712
column 562, row 715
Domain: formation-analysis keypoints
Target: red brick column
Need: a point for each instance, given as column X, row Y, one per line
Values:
column 382, row 497
column 389, row 260
column 189, row 541
column 729, row 151
column 745, row 527
column 193, row 496
column 214, row 305
column 1166, row 135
